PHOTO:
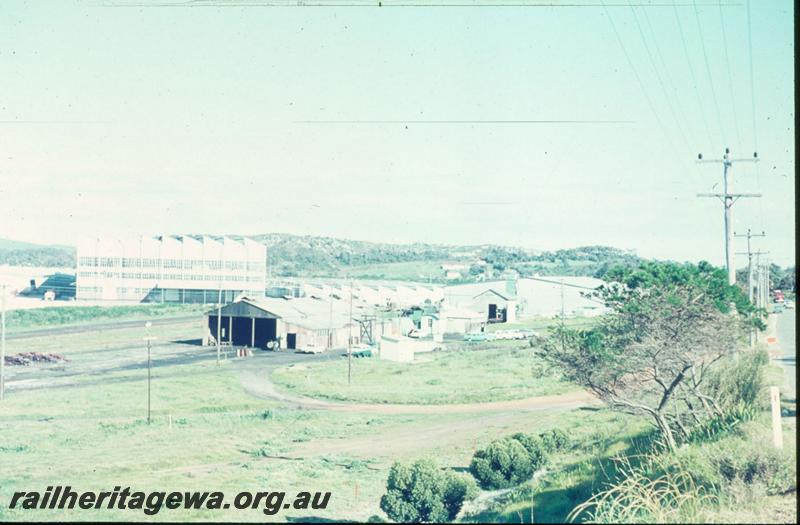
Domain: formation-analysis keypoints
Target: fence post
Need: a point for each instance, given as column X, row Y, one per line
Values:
column 777, row 429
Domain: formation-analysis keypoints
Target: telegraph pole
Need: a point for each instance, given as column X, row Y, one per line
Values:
column 219, row 304
column 728, row 198
column 3, row 343
column 749, row 254
column 350, row 338
column 148, row 338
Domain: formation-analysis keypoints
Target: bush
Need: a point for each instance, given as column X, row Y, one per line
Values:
column 554, row 440
column 503, row 463
column 422, row 493
column 753, row 463
column 535, row 447
column 739, row 381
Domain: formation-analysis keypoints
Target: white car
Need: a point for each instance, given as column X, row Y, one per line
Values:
column 310, row 348
column 788, row 304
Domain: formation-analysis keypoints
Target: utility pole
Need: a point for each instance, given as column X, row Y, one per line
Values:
column 350, row 338
column 728, row 198
column 749, row 253
column 3, row 343
column 219, row 304
column 148, row 338
column 562, row 315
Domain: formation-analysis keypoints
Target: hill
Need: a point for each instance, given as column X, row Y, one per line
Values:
column 20, row 253
column 316, row 256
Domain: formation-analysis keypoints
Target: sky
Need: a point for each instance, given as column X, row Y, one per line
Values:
column 539, row 126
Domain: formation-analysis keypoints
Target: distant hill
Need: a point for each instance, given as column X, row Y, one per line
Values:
column 308, row 255
column 296, row 255
column 20, row 253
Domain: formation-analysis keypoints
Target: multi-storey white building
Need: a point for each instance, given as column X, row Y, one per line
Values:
column 170, row 268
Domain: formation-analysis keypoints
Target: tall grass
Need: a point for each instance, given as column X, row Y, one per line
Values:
column 673, row 497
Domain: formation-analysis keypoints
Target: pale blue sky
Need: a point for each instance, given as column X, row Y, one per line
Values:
column 123, row 120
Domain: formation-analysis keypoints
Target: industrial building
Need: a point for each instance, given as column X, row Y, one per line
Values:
column 297, row 323
column 545, row 296
column 495, row 301
column 170, row 268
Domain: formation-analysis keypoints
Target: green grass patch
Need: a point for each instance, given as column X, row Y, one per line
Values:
column 59, row 316
column 504, row 372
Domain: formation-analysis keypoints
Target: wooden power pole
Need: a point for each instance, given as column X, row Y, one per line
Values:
column 728, row 198
column 750, row 254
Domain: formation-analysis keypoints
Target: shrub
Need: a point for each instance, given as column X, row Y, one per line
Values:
column 739, row 381
column 726, row 423
column 753, row 463
column 535, row 447
column 422, row 493
column 554, row 440
column 502, row 464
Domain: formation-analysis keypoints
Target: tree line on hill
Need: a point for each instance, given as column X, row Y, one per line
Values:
column 315, row 256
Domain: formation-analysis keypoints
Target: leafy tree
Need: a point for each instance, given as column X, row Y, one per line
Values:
column 422, row 493
column 667, row 325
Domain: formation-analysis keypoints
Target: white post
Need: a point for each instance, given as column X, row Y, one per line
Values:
column 777, row 429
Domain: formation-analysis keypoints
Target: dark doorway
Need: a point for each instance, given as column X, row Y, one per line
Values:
column 291, row 341
column 265, row 332
column 242, row 331
column 212, row 326
column 492, row 312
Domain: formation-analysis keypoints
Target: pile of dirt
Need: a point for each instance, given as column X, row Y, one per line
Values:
column 29, row 358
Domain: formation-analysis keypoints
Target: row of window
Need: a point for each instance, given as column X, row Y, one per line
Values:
column 184, row 264
column 170, row 277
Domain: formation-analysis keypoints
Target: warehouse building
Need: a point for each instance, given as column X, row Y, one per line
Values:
column 546, row 296
column 495, row 301
column 296, row 323
column 170, row 268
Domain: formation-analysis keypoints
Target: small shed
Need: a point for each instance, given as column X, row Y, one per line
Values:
column 402, row 349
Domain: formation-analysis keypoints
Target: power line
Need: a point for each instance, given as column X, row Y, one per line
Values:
column 730, row 79
column 677, row 113
column 708, row 70
column 639, row 81
column 691, row 73
column 753, row 109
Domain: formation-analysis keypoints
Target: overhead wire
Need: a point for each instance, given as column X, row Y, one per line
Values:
column 708, row 70
column 677, row 114
column 641, row 83
column 692, row 74
column 730, row 78
column 753, row 112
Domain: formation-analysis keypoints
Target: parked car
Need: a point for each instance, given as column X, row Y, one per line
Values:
column 474, row 337
column 310, row 348
column 788, row 304
column 778, row 308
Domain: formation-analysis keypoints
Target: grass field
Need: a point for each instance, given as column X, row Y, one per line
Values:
column 93, row 435
column 209, row 433
column 504, row 371
column 417, row 271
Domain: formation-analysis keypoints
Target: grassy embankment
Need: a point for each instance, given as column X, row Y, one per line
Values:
column 65, row 316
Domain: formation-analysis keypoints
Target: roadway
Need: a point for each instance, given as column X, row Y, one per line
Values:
column 786, row 342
